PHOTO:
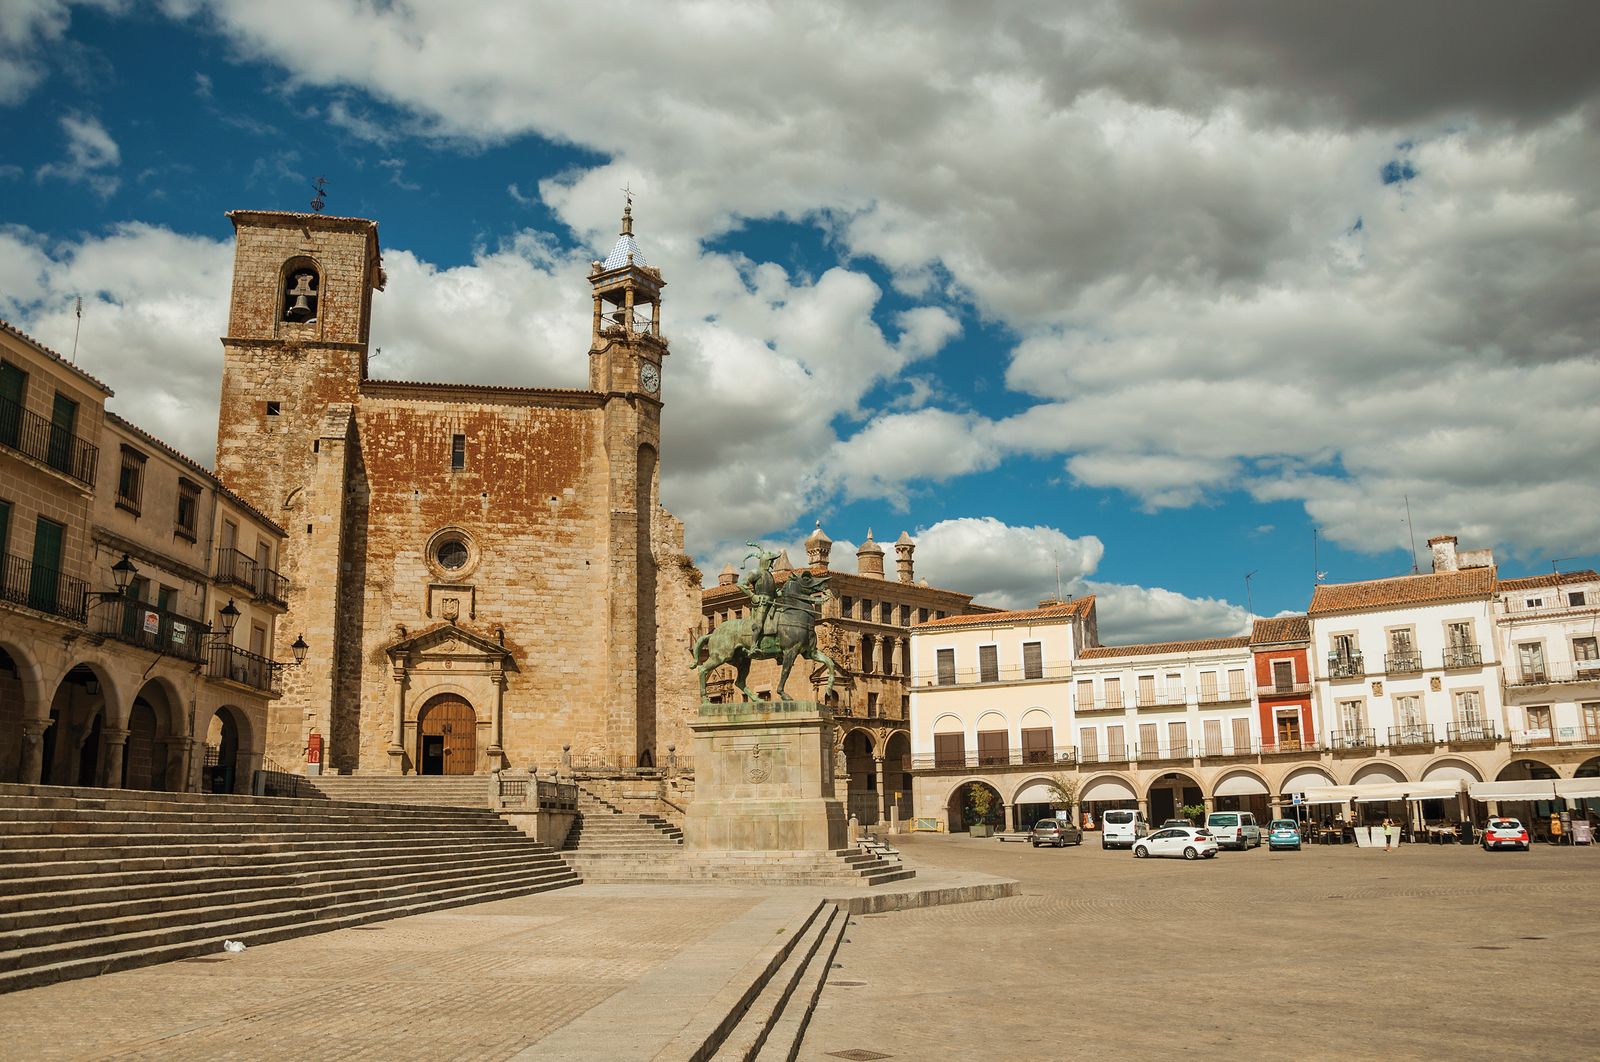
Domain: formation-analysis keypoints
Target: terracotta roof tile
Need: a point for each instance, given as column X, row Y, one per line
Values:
column 1402, row 590
column 7, row 326
column 1102, row 652
column 1066, row 610
column 1281, row 629
column 1539, row 582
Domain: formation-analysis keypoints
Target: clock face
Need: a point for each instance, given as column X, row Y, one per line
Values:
column 650, row 377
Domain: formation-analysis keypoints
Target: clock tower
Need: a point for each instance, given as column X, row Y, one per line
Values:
column 626, row 350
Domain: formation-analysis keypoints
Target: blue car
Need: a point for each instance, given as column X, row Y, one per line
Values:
column 1283, row 833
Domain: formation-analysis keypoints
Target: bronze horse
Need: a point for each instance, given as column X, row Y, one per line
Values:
column 792, row 634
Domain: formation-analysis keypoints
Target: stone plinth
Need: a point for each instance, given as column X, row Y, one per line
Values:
column 764, row 779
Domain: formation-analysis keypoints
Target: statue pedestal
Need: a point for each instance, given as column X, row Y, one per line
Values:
column 764, row 779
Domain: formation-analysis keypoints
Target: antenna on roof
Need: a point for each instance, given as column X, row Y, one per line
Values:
column 318, row 201
column 1249, row 602
column 1412, row 532
column 1316, row 556
column 78, row 309
column 1057, row 555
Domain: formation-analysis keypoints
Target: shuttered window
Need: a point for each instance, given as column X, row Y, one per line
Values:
column 1241, row 736
column 1208, row 687
column 1178, row 738
column 988, row 664
column 949, row 750
column 1283, row 675
column 1089, row 744
column 1036, row 745
column 1113, row 693
column 1213, row 729
column 1085, row 694
column 1147, row 690
column 1032, row 660
column 992, row 749
column 1149, row 739
column 947, row 666
column 1236, row 684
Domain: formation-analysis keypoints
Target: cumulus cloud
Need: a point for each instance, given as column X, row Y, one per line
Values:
column 91, row 155
column 28, row 29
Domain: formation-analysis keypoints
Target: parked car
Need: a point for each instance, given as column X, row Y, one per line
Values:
column 1055, row 831
column 1171, row 823
column 1190, row 842
column 1234, row 829
column 1283, row 833
column 1505, row 833
column 1121, row 828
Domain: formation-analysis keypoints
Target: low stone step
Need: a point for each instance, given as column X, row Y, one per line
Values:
column 788, row 1031
column 746, row 1038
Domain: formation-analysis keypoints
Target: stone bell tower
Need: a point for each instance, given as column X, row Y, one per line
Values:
column 626, row 354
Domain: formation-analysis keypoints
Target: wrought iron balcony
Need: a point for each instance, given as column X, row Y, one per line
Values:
column 1288, row 689
column 1411, row 735
column 1103, row 704
column 271, row 587
column 24, row 583
column 1562, row 671
column 236, row 569
column 1227, row 696
column 149, row 627
column 1112, row 754
column 1407, row 663
column 1288, row 747
column 1353, row 739
column 1348, row 665
column 1459, row 656
column 1181, row 751
column 33, row 435
column 1463, row 733
column 1065, row 755
column 233, row 664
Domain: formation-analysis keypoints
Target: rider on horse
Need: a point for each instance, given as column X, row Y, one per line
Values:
column 761, row 588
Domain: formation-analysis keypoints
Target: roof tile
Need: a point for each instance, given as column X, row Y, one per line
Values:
column 1402, row 590
column 1066, row 610
column 1281, row 629
column 1102, row 652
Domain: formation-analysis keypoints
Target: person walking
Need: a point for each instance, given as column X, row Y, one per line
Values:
column 1388, row 834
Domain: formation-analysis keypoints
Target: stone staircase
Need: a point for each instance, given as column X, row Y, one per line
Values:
column 609, row 845
column 429, row 790
column 98, row 880
column 773, row 1022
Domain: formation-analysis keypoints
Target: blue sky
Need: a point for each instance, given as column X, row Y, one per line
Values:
column 1148, row 292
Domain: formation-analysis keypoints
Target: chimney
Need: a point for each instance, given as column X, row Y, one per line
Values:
column 903, row 548
column 869, row 558
column 1444, row 553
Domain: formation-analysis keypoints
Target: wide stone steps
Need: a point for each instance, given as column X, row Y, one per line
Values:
column 849, row 868
column 774, row 1022
column 93, row 880
column 468, row 791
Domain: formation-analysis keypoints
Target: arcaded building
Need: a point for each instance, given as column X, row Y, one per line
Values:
column 488, row 567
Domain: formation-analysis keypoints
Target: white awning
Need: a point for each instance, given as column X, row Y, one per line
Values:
column 1375, row 791
column 1323, row 794
column 1037, row 793
column 1527, row 790
column 1108, row 789
column 1241, row 785
column 1578, row 788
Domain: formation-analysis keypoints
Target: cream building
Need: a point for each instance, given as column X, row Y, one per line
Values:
column 1548, row 628
column 134, row 645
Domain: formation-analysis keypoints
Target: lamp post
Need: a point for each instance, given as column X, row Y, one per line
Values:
column 122, row 574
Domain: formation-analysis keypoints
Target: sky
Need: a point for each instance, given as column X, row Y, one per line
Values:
column 1177, row 304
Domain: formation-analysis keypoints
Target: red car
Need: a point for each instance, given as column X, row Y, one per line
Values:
column 1505, row 833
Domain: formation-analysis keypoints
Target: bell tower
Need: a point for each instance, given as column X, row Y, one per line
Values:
column 626, row 350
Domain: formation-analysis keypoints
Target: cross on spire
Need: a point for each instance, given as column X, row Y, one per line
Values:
column 320, row 186
column 627, row 210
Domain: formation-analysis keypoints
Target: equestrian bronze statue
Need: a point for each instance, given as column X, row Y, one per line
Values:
column 788, row 631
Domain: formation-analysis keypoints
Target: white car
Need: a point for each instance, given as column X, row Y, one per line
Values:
column 1505, row 833
column 1190, row 842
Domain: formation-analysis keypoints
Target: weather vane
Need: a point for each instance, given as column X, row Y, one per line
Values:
column 627, row 192
column 320, row 199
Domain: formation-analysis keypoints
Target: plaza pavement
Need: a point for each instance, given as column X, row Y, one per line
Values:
column 1427, row 952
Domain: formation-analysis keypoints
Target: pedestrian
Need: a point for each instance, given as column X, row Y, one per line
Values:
column 1388, row 834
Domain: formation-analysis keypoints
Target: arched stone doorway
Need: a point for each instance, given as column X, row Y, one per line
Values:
column 1169, row 793
column 148, row 756
column 73, row 743
column 1243, row 791
column 224, row 740
column 1105, row 793
column 897, row 772
column 964, row 809
column 447, row 736
column 13, row 710
column 863, row 800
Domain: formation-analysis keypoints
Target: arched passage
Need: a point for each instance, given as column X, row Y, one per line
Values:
column 862, row 799
column 151, row 759
column 222, row 752
column 1295, row 783
column 72, row 752
column 897, row 769
column 13, row 710
column 973, row 804
column 1533, row 813
column 1242, row 791
column 1171, row 791
column 1102, row 793
column 447, row 736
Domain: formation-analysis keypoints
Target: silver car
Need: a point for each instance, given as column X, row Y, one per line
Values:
column 1055, row 831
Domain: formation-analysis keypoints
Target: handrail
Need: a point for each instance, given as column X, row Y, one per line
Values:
column 151, row 627
column 43, row 440
column 43, row 589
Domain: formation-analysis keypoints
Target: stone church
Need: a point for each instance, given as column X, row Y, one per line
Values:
column 486, row 571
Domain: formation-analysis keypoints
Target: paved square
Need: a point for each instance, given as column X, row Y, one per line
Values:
column 1330, row 953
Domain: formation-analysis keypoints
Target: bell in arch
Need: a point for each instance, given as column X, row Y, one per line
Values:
column 301, row 297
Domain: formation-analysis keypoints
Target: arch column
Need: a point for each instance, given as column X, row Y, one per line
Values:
column 495, row 753
column 883, row 789
column 397, row 740
column 33, row 750
column 116, row 749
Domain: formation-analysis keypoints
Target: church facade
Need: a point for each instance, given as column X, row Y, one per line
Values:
column 489, row 566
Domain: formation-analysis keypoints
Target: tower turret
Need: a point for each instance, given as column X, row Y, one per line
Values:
column 626, row 349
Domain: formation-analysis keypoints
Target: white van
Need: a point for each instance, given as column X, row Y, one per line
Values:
column 1122, row 827
column 1234, row 829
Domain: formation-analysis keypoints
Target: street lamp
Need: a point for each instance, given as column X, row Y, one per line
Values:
column 122, row 574
column 299, row 650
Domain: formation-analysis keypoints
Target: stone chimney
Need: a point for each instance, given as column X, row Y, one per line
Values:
column 782, row 563
column 1444, row 553
column 818, row 546
column 869, row 558
column 728, row 576
column 903, row 549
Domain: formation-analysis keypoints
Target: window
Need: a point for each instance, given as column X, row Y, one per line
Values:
column 13, row 382
column 1591, row 720
column 1208, row 687
column 886, row 612
column 452, row 555
column 1344, row 647
column 946, row 659
column 988, row 664
column 1241, row 736
column 130, row 480
column 167, row 598
column 1576, row 598
column 1036, row 745
column 1539, row 723
column 846, row 606
column 1116, row 746
column 886, row 656
column 1283, row 676
column 949, row 750
column 1459, row 635
column 866, row 654
column 1032, row 660
column 1085, row 694
column 1147, row 690
column 274, row 409
column 1469, row 709
column 1236, row 688
column 1533, row 602
column 63, row 420
column 905, row 615
column 1089, row 744
column 1530, row 656
column 872, row 706
column 1587, row 653
column 922, row 615
column 1408, row 711
column 1113, row 693
column 1178, row 738
column 458, row 452
column 992, row 750
column 5, row 526
column 1213, row 737
column 44, row 579
column 1149, row 740
column 1352, row 717
column 188, row 508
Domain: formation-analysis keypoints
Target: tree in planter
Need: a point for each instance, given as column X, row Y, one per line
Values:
column 1063, row 793
column 978, row 806
column 1193, row 812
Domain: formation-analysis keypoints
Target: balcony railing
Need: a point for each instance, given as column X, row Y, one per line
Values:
column 972, row 676
column 1181, row 751
column 1104, row 704
column 1563, row 736
column 33, row 435
column 1228, row 696
column 148, row 627
column 1345, row 666
column 24, row 583
column 271, row 587
column 1353, row 739
column 1402, row 663
column 233, row 664
column 1292, row 689
column 1562, row 671
column 1286, row 747
column 1411, row 735
column 236, row 569
column 1458, row 656
column 1111, row 754
column 1464, row 733
column 1065, row 755
column 1166, row 698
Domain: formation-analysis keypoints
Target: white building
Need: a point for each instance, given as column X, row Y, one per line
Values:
column 1549, row 635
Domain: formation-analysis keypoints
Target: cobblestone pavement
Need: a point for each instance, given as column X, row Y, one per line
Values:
column 1332, row 953
column 478, row 982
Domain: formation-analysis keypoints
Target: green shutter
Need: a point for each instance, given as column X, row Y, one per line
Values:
column 63, row 419
column 44, row 581
column 12, row 383
column 5, row 526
